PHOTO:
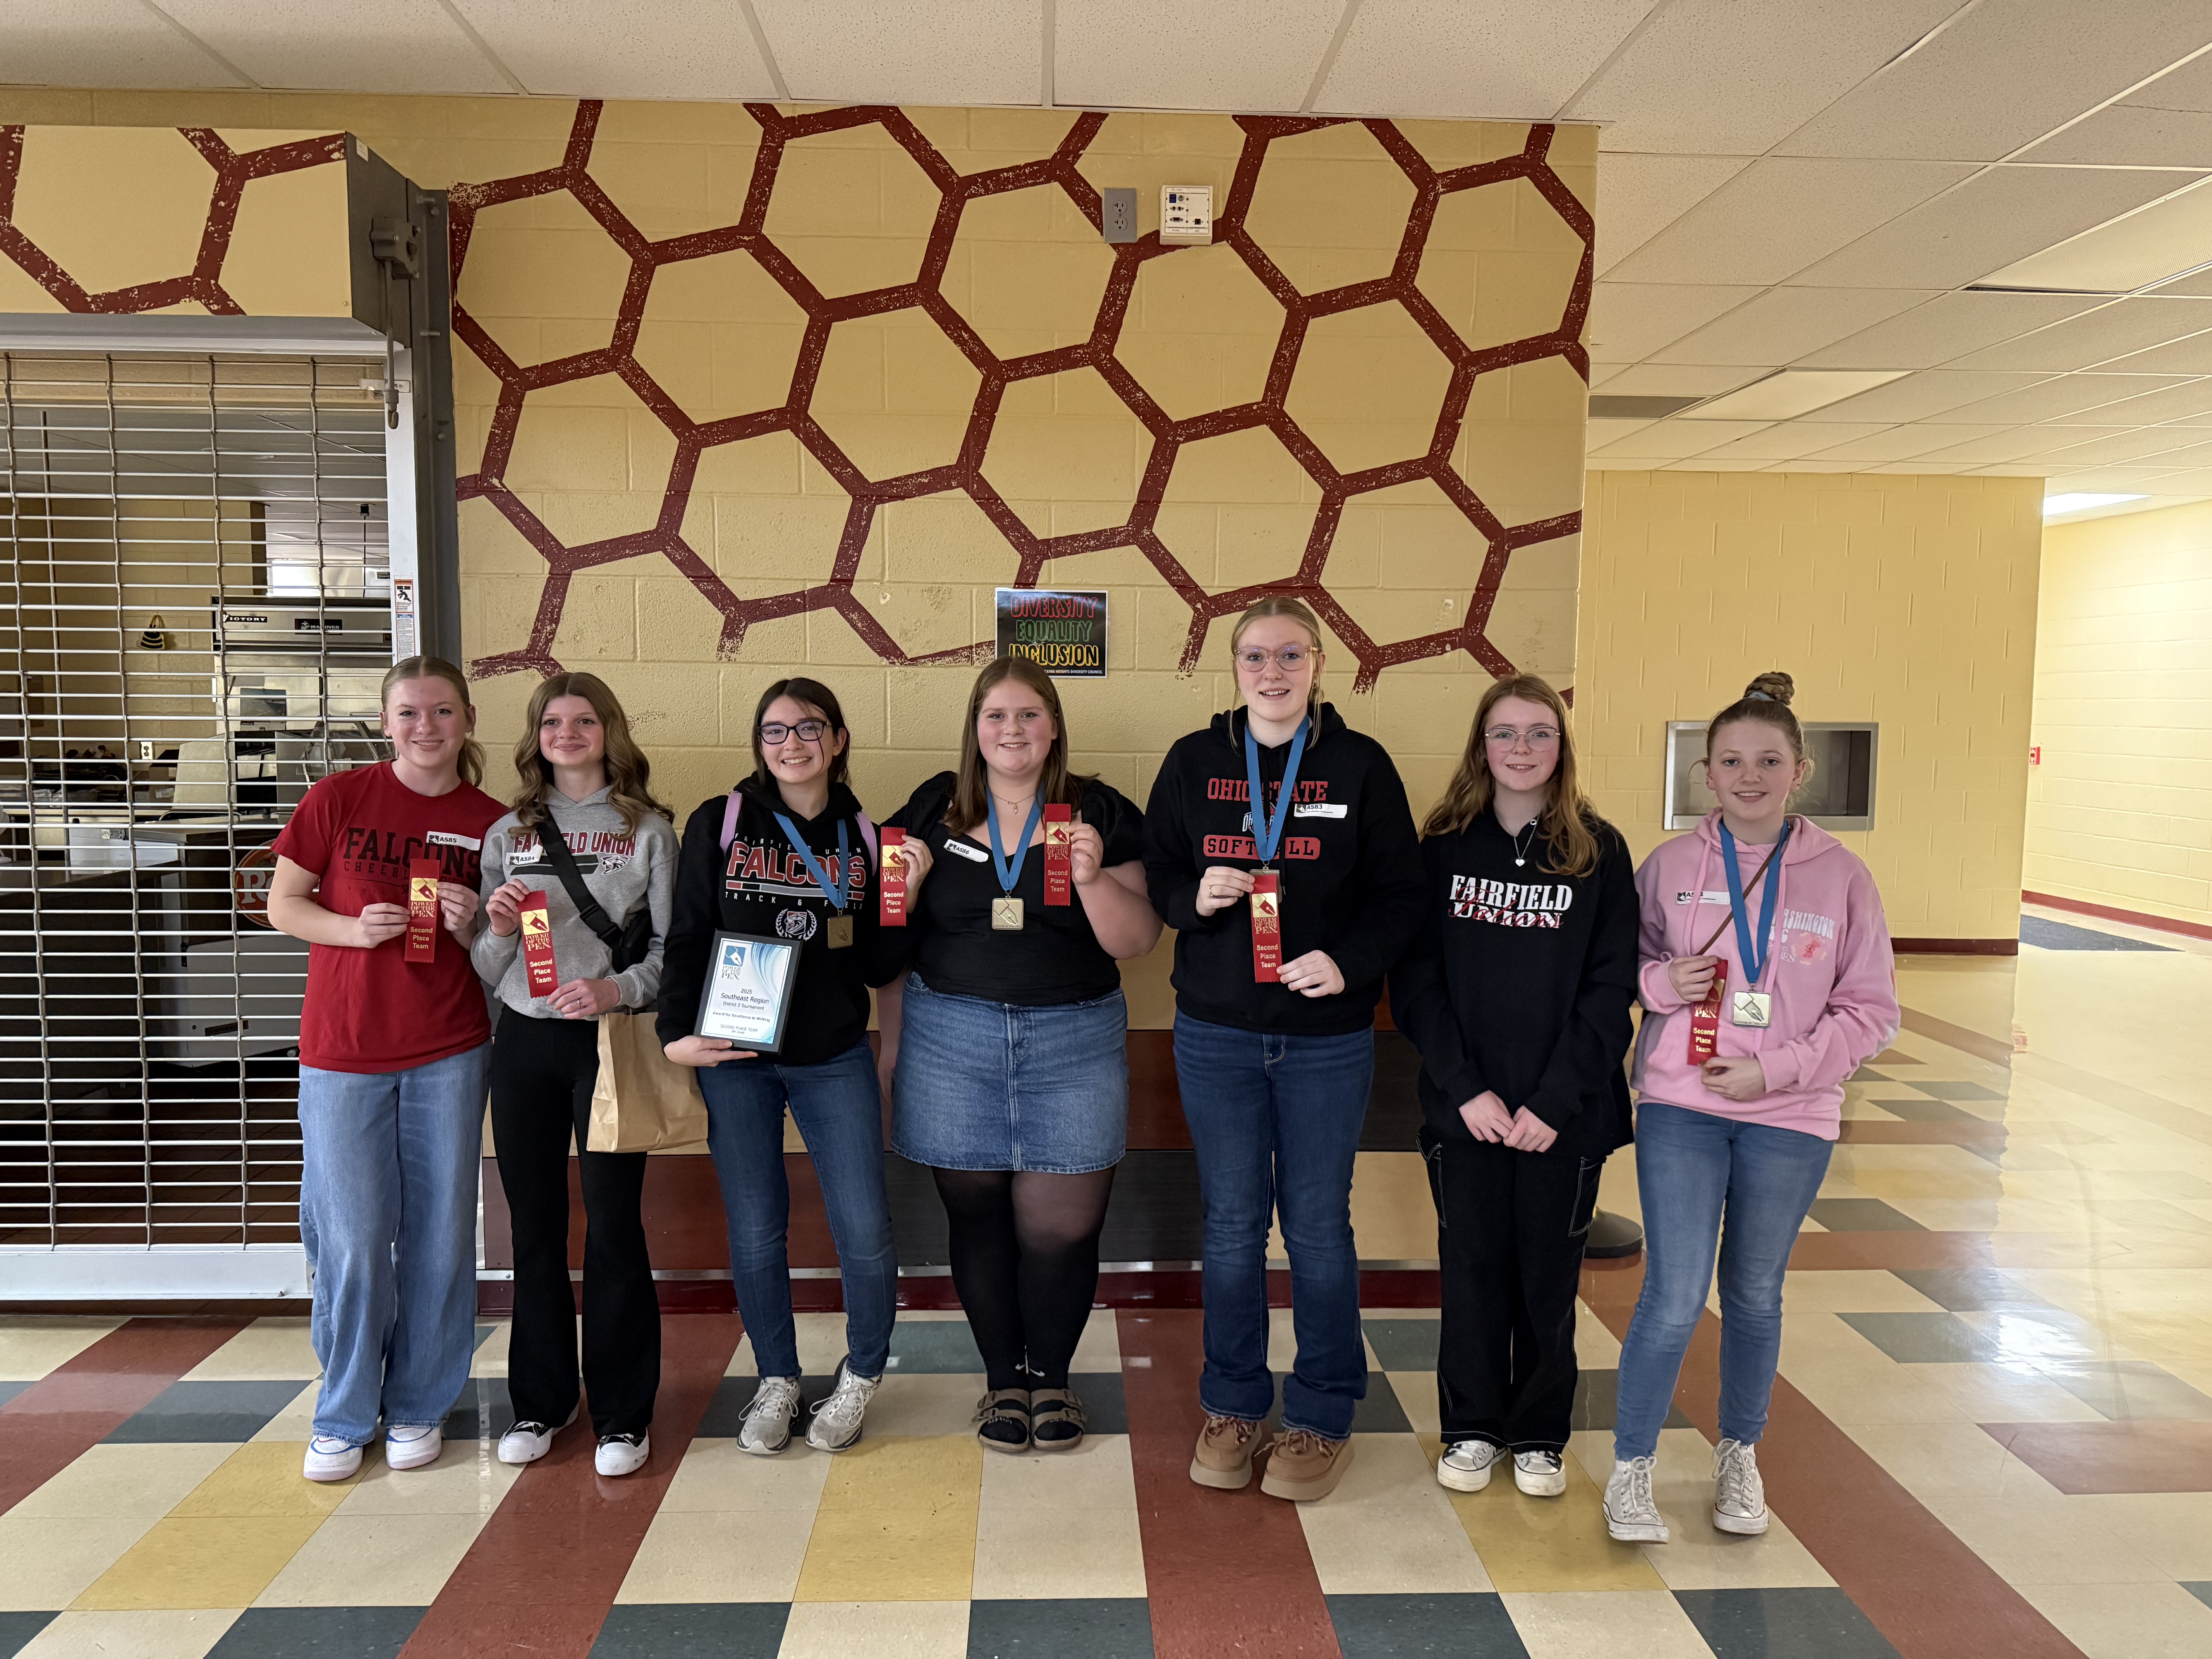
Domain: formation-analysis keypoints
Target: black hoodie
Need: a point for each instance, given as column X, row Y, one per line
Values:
column 1350, row 867
column 1520, row 983
column 760, row 886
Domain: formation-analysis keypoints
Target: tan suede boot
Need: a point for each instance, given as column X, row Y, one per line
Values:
column 1223, row 1458
column 1302, row 1466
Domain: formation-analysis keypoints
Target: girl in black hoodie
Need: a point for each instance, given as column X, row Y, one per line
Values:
column 790, row 855
column 1516, row 994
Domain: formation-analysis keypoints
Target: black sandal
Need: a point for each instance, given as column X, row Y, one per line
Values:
column 1002, row 1420
column 1056, row 1419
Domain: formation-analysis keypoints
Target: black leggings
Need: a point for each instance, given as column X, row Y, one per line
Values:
column 541, row 1072
column 1025, row 1262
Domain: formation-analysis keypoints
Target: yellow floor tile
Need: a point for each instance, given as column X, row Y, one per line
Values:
column 1699, row 1556
column 1546, row 1544
column 468, row 1479
column 31, row 1345
column 2127, row 1621
column 51, row 1561
column 910, row 1630
column 1649, row 1623
column 692, row 1555
column 1389, row 1528
column 1851, row 1291
column 896, row 1523
column 165, row 1634
column 1417, row 1398
column 714, row 1475
column 374, row 1561
column 268, row 1350
column 224, row 1561
column 1596, row 1348
column 263, row 1480
column 126, row 1482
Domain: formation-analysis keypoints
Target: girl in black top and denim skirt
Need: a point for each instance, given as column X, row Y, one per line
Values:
column 1011, row 1076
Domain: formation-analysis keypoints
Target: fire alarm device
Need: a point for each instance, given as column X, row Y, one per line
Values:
column 1186, row 214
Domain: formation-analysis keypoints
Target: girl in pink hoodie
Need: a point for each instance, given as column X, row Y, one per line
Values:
column 1766, row 981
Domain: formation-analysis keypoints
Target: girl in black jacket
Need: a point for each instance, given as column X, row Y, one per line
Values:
column 1516, row 994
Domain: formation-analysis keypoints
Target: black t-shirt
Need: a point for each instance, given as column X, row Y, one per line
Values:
column 1055, row 958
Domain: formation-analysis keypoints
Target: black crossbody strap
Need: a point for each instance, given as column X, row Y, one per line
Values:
column 589, row 910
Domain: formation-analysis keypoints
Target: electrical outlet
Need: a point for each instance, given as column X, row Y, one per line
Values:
column 1120, row 214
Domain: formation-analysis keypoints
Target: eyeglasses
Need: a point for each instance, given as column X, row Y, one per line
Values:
column 1290, row 658
column 1538, row 736
column 773, row 732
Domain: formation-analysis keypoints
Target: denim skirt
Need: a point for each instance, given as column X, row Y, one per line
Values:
column 994, row 1085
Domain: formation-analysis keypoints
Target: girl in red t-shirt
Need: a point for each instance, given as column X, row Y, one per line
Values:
column 392, row 1054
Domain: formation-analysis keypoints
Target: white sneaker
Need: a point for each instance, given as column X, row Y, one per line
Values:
column 530, row 1440
column 1632, row 1513
column 410, row 1445
column 835, row 1423
column 622, row 1453
column 1466, row 1465
column 767, row 1428
column 1540, row 1473
column 1739, row 1495
column 330, row 1459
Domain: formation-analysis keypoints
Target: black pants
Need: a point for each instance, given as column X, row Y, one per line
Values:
column 1510, row 1227
column 542, row 1072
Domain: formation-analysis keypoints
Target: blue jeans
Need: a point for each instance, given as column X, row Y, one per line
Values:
column 1693, row 1167
column 1275, row 1122
column 839, row 1110
column 388, row 1174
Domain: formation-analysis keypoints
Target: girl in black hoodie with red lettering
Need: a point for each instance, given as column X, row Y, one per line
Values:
column 1516, row 994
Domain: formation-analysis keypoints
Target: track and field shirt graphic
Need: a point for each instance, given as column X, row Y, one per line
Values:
column 372, row 1010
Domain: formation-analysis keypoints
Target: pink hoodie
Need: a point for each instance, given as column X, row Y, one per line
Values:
column 1834, row 985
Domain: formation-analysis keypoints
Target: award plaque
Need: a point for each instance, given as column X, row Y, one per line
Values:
column 748, row 994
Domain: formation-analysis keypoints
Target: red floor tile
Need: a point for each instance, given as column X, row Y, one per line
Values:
column 2110, row 1457
column 1904, row 1248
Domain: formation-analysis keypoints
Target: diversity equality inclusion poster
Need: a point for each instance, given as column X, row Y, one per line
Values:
column 1061, row 630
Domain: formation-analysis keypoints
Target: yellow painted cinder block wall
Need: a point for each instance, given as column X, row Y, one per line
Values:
column 1907, row 600
column 2119, row 812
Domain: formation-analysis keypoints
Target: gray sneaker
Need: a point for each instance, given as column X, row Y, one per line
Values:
column 834, row 1423
column 767, row 1428
column 1632, row 1513
column 1739, row 1495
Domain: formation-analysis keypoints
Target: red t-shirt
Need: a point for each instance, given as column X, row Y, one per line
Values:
column 374, row 1011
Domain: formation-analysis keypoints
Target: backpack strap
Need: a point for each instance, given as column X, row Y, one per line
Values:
column 589, row 910
column 732, row 807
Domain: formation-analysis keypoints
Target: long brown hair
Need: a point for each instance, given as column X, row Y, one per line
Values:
column 629, row 773
column 815, row 696
column 1283, row 604
column 437, row 668
column 971, row 791
column 1569, row 828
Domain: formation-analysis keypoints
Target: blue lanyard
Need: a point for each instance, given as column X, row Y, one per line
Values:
column 1267, row 832
column 1007, row 873
column 835, row 889
column 1753, row 955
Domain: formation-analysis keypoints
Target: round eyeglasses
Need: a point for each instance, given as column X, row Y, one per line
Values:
column 1290, row 658
column 1537, row 737
column 773, row 732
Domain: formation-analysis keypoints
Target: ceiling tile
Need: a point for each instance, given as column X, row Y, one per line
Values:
column 1677, row 381
column 2001, row 76
column 1987, row 223
column 2150, row 245
column 1782, row 325
column 1944, row 328
column 2142, row 445
column 1642, row 195
column 1493, row 59
column 1788, row 440
column 908, row 52
column 1165, row 54
column 1602, row 433
column 1710, row 462
column 2096, row 336
column 1631, row 320
column 1757, row 227
column 2165, row 123
column 1918, row 468
column 343, row 45
column 1726, row 78
column 2050, row 400
column 2189, row 405
column 582, row 49
column 1931, row 392
column 1903, row 443
column 1993, row 447
column 2190, row 356
column 1668, row 441
column 2196, row 282
column 102, row 43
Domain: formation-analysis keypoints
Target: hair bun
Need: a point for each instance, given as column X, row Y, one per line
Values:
column 1774, row 686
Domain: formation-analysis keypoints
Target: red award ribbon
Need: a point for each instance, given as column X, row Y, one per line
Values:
column 891, row 890
column 1266, row 928
column 1059, row 839
column 538, row 945
column 1705, row 1017
column 422, row 908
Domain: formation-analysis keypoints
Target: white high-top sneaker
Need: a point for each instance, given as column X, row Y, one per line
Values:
column 1466, row 1465
column 1632, row 1513
column 622, row 1453
column 529, row 1440
column 767, row 1428
column 1540, row 1473
column 1739, row 1495
column 835, row 1423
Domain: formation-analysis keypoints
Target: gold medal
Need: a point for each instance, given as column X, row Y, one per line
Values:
column 840, row 932
column 1751, row 1008
column 1006, row 915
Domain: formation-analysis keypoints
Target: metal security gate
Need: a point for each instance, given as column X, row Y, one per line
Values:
column 195, row 587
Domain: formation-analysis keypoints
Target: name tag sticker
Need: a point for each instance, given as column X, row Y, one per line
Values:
column 1321, row 809
column 448, row 838
column 1709, row 897
column 968, row 850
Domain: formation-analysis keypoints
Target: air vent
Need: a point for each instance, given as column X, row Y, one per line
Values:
column 1603, row 407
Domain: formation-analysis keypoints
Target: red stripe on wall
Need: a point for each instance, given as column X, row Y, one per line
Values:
column 546, row 1567
column 1227, row 1572
column 2113, row 912
column 81, row 1401
column 1910, row 1575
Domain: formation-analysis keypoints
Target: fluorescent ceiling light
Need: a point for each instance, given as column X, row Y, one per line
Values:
column 2153, row 244
column 1791, row 392
column 2082, row 501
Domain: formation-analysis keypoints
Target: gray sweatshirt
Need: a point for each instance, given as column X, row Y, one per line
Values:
column 622, row 869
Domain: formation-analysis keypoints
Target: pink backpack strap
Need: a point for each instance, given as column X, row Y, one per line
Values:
column 868, row 834
column 730, row 820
